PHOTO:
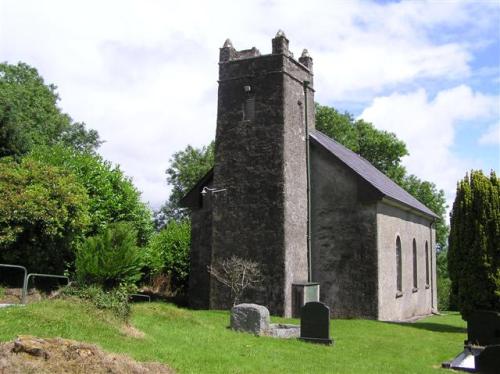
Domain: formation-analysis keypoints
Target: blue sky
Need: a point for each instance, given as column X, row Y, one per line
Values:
column 143, row 73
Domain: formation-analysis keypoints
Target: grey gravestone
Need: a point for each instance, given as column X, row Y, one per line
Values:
column 315, row 323
column 251, row 318
column 483, row 328
column 488, row 361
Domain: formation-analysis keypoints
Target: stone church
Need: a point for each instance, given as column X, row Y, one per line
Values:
column 305, row 208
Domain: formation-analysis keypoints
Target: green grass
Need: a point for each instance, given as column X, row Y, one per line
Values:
column 199, row 341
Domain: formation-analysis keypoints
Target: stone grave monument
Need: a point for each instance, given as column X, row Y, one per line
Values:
column 482, row 348
column 315, row 323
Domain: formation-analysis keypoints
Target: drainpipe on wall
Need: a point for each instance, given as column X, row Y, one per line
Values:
column 433, row 252
column 308, row 172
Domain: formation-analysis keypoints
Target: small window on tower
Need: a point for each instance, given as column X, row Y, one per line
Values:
column 249, row 109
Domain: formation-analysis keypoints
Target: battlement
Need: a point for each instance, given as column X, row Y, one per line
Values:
column 280, row 46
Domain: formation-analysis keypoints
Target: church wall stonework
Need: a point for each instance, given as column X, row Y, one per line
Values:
column 260, row 163
column 200, row 255
column 392, row 222
column 344, row 233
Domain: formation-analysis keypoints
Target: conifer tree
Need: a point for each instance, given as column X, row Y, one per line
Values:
column 474, row 243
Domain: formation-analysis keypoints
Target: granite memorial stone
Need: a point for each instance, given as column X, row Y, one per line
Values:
column 252, row 318
column 315, row 323
column 483, row 328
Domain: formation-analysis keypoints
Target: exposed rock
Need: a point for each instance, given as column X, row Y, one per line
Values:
column 250, row 318
column 30, row 354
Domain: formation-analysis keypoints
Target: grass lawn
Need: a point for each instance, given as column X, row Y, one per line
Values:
column 199, row 342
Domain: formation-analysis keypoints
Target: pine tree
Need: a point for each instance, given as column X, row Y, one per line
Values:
column 474, row 243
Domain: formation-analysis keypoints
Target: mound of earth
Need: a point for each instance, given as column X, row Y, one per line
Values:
column 28, row 354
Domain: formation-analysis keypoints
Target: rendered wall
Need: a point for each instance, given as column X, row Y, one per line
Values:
column 344, row 250
column 392, row 222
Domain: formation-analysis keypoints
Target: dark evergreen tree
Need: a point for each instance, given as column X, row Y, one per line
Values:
column 474, row 244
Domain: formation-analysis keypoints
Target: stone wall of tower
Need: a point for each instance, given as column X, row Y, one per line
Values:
column 260, row 162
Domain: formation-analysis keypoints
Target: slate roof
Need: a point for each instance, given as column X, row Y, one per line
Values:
column 370, row 173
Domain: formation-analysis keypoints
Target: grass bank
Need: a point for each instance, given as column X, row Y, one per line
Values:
column 199, row 342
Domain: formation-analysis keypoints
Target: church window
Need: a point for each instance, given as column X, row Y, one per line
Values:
column 399, row 275
column 415, row 275
column 426, row 264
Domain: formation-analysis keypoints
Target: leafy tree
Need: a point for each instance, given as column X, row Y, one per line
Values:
column 29, row 114
column 186, row 168
column 474, row 251
column 112, row 196
column 168, row 253
column 43, row 213
column 383, row 149
column 111, row 258
column 434, row 199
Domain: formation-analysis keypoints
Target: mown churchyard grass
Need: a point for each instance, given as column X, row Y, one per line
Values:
column 200, row 342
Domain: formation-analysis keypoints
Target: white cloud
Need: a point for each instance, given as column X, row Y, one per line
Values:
column 144, row 73
column 491, row 136
column 428, row 127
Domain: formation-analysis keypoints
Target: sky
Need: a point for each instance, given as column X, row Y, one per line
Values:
column 144, row 73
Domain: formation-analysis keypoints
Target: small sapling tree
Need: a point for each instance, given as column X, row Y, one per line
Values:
column 237, row 274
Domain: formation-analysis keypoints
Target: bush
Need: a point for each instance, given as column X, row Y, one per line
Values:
column 43, row 215
column 112, row 196
column 115, row 300
column 168, row 253
column 111, row 258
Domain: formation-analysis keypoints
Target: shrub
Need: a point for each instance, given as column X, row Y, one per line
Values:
column 111, row 258
column 237, row 274
column 168, row 253
column 115, row 300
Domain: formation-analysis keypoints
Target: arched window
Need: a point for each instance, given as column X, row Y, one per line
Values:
column 415, row 277
column 399, row 275
column 426, row 263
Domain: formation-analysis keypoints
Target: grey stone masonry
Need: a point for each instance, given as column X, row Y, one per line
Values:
column 250, row 318
column 261, row 165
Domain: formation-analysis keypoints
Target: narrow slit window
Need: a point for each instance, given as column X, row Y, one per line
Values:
column 415, row 272
column 399, row 275
column 249, row 109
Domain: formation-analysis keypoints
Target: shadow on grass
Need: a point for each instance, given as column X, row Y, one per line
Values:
column 434, row 327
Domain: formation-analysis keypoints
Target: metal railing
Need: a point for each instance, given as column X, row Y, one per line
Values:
column 44, row 276
column 25, row 279
column 27, row 276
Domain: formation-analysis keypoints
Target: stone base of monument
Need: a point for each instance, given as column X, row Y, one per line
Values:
column 465, row 361
column 278, row 330
column 254, row 319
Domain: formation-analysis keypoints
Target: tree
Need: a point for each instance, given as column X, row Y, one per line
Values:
column 186, row 168
column 434, row 199
column 43, row 214
column 474, row 250
column 112, row 196
column 29, row 114
column 237, row 274
column 383, row 149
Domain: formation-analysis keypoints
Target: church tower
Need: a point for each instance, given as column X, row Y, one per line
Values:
column 265, row 103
